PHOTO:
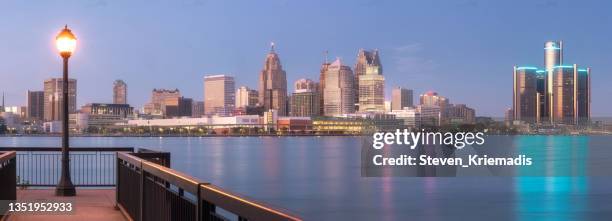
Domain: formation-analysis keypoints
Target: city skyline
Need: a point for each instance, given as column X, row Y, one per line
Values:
column 413, row 60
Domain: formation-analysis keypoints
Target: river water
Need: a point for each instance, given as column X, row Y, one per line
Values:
column 319, row 178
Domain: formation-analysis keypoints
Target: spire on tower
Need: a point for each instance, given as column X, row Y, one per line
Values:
column 272, row 46
column 326, row 53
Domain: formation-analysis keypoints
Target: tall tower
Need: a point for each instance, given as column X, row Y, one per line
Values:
column 322, row 72
column 119, row 92
column 525, row 102
column 54, row 98
column 36, row 101
column 553, row 54
column 369, row 82
column 400, row 98
column 570, row 103
column 338, row 90
column 273, row 84
column 553, row 57
column 305, row 99
column 219, row 95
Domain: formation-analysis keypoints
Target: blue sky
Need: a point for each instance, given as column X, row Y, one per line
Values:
column 464, row 49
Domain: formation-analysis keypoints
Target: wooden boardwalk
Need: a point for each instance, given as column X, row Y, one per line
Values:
column 89, row 204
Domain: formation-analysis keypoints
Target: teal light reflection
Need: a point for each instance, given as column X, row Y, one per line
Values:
column 561, row 194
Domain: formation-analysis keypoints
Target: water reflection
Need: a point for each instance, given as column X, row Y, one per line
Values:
column 553, row 198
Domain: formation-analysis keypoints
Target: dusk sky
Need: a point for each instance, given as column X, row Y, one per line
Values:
column 464, row 50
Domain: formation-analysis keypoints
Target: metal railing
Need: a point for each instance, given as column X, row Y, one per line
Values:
column 150, row 191
column 8, row 179
column 89, row 167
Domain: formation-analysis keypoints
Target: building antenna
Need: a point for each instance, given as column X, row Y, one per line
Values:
column 272, row 46
column 326, row 53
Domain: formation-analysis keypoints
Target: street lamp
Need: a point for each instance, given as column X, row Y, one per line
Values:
column 65, row 43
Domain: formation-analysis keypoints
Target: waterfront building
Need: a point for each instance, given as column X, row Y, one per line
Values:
column 94, row 117
column 219, row 95
column 246, row 97
column 432, row 98
column 160, row 98
column 401, row 98
column 19, row 111
column 570, row 102
column 36, row 105
column 208, row 122
column 119, row 92
column 53, row 98
column 178, row 107
column 338, row 90
column 294, row 124
column 526, row 101
column 197, row 109
column 305, row 99
column 410, row 116
column 369, row 84
column 461, row 114
column 121, row 111
column 431, row 115
column 557, row 94
column 273, row 84
column 269, row 119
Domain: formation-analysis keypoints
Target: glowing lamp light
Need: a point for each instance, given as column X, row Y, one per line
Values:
column 65, row 42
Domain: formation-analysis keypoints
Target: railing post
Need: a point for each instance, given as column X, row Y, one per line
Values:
column 117, row 171
column 142, row 187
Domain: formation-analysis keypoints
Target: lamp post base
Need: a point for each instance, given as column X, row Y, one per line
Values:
column 65, row 190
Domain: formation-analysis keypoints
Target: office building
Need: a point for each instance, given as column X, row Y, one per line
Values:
column 246, row 97
column 119, row 92
column 36, row 105
column 273, row 84
column 197, row 109
column 461, row 114
column 338, row 90
column 305, row 99
column 557, row 94
column 410, row 116
column 178, row 107
column 369, row 84
column 570, row 102
column 321, row 85
column 219, row 95
column 53, row 99
column 160, row 98
column 525, row 101
column 431, row 115
column 401, row 98
column 432, row 98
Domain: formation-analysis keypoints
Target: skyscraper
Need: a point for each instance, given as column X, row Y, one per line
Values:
column 369, row 86
column 305, row 99
column 559, row 94
column 36, row 105
column 219, row 95
column 570, row 102
column 525, row 101
column 339, row 89
column 54, row 98
column 119, row 92
column 246, row 97
column 273, row 84
column 400, row 98
column 322, row 72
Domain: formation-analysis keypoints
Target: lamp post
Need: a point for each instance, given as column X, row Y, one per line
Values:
column 65, row 43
